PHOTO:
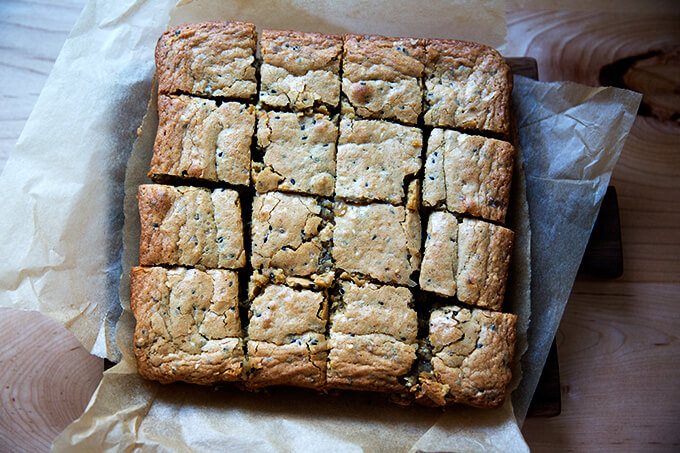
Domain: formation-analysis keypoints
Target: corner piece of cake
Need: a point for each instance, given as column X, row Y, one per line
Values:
column 214, row 59
column 467, row 86
column 188, row 326
column 470, row 351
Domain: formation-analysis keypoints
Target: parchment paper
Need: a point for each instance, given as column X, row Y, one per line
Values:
column 64, row 198
column 571, row 136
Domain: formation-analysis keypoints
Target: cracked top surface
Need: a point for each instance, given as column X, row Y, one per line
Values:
column 471, row 353
column 440, row 258
column 300, row 70
column 190, row 226
column 372, row 338
column 484, row 252
column 286, row 338
column 188, row 326
column 282, row 315
column 381, row 77
column 375, row 158
column 367, row 156
column 208, row 59
column 468, row 174
column 371, row 309
column 377, row 240
column 299, row 153
column 291, row 233
column 467, row 86
column 198, row 139
column 374, row 362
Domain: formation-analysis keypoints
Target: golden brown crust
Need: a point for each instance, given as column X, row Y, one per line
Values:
column 286, row 338
column 372, row 338
column 300, row 70
column 190, row 226
column 468, row 174
column 188, row 326
column 471, row 354
column 296, row 364
column 383, row 58
column 440, row 259
column 381, row 77
column 484, row 252
column 314, row 50
column 198, row 139
column 372, row 362
column 468, row 86
column 209, row 59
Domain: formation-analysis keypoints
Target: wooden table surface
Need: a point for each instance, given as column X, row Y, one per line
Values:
column 618, row 341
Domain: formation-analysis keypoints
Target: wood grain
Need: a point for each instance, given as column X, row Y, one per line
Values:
column 33, row 33
column 618, row 346
column 47, row 379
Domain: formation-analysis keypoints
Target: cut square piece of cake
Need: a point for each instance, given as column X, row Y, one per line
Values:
column 300, row 70
column 293, row 233
column 484, row 252
column 381, row 77
column 188, row 326
column 467, row 86
column 208, row 59
column 372, row 342
column 286, row 338
column 440, row 258
column 190, row 226
column 198, row 139
column 468, row 174
column 472, row 351
column 375, row 158
column 299, row 153
column 379, row 241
